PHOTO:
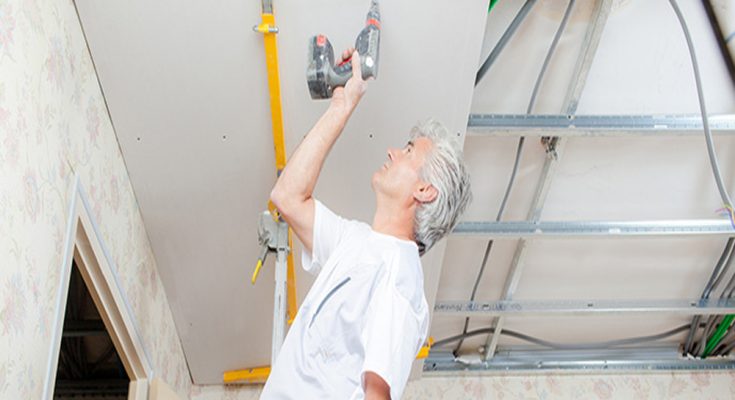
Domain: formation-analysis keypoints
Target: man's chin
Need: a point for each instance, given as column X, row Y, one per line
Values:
column 375, row 180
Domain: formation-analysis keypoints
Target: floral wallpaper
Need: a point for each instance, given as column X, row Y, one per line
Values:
column 54, row 125
column 640, row 386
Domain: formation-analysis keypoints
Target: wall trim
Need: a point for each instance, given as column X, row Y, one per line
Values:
column 84, row 244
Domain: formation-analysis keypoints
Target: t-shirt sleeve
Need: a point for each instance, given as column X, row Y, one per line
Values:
column 392, row 338
column 329, row 229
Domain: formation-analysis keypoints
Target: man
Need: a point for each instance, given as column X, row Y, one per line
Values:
column 365, row 318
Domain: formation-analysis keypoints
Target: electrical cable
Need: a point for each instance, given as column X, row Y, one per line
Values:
column 705, row 123
column 717, row 336
column 732, row 290
column 701, row 344
column 489, row 246
column 724, row 195
column 519, row 151
column 728, row 343
column 721, row 41
column 702, row 347
column 714, row 277
column 727, row 262
column 713, row 320
column 711, row 326
column 564, row 346
column 549, row 54
column 522, row 13
column 716, row 320
column 728, row 349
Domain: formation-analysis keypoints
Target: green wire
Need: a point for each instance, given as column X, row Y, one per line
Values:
column 714, row 340
column 492, row 4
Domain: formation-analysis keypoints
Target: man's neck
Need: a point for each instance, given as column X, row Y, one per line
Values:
column 394, row 219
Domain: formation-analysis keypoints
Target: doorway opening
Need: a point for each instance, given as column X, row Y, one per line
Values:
column 95, row 314
column 89, row 365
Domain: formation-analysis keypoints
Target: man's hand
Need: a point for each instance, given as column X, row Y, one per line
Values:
column 375, row 387
column 346, row 98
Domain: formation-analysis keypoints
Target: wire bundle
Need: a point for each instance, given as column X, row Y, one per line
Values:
column 716, row 327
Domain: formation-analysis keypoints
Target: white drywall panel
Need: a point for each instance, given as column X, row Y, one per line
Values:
column 187, row 90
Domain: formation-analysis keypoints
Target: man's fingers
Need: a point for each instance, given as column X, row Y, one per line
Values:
column 356, row 67
column 347, row 54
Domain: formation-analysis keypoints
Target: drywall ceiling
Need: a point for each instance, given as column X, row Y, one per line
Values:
column 187, row 92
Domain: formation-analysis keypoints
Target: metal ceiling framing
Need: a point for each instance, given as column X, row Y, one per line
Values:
column 542, row 229
column 536, row 308
column 593, row 360
column 560, row 127
column 581, row 70
column 569, row 125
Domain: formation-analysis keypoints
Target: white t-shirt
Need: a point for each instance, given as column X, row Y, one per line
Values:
column 365, row 312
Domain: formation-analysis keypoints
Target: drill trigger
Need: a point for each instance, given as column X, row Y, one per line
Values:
column 345, row 61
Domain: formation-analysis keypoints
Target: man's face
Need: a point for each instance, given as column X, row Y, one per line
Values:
column 398, row 177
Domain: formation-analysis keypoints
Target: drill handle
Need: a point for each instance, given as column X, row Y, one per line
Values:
column 367, row 45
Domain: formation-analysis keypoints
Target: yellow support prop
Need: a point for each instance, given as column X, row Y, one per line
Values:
column 252, row 375
column 274, row 88
column 268, row 28
column 256, row 272
column 260, row 374
column 291, row 283
column 424, row 351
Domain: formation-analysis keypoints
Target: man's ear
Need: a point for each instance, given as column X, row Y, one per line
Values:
column 425, row 193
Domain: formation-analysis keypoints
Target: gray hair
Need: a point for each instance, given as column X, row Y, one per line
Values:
column 445, row 170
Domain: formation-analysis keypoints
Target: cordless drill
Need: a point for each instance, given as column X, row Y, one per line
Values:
column 323, row 76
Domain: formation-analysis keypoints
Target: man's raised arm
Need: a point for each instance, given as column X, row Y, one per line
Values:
column 293, row 190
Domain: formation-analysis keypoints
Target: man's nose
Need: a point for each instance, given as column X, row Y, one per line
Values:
column 391, row 153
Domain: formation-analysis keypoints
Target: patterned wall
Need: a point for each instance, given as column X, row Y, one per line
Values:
column 642, row 386
column 53, row 125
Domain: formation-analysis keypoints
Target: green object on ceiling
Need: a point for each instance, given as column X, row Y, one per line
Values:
column 492, row 4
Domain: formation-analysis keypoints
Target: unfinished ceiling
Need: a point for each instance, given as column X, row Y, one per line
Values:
column 187, row 91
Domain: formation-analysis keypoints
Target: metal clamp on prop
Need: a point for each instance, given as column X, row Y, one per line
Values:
column 265, row 28
column 272, row 237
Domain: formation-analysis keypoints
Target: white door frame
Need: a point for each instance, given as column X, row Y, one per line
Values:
column 85, row 245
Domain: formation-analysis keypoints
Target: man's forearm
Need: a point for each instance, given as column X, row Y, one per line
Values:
column 298, row 178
